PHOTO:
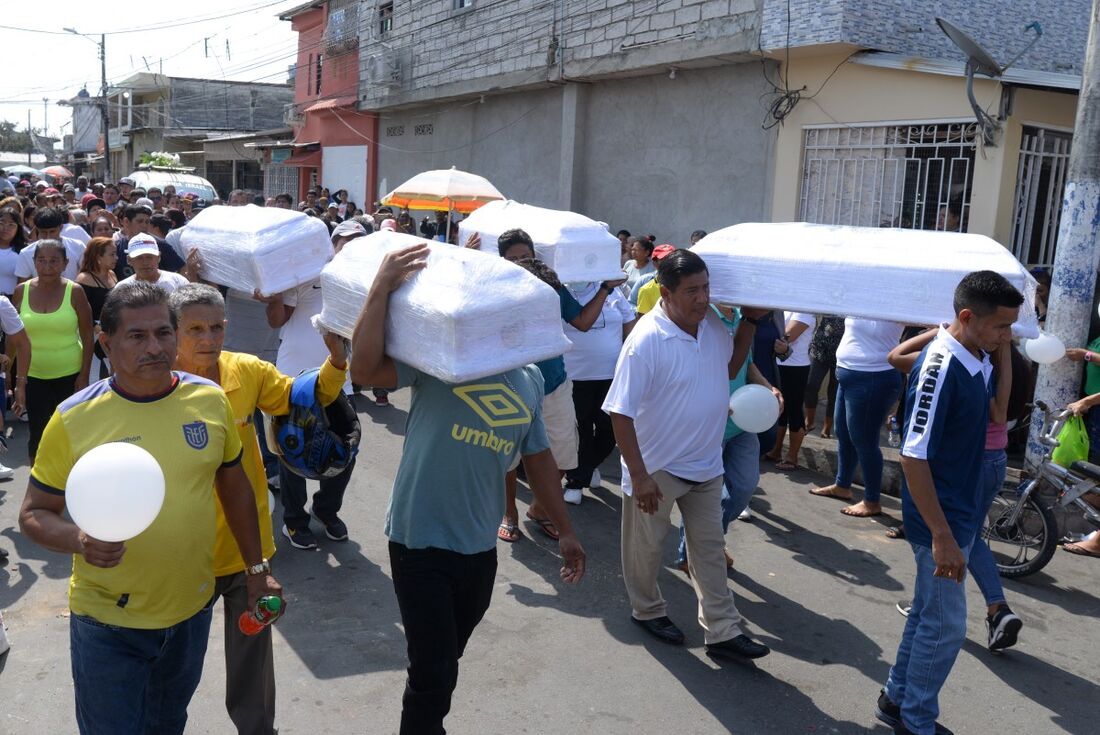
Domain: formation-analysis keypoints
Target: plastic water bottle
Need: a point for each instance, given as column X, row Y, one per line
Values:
column 268, row 609
column 895, row 435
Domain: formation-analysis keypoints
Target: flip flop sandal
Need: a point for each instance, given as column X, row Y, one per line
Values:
column 830, row 494
column 1076, row 549
column 786, row 466
column 896, row 532
column 852, row 514
column 508, row 532
column 545, row 525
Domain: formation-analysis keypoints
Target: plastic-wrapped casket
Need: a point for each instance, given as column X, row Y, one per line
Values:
column 264, row 248
column 579, row 249
column 464, row 316
column 901, row 275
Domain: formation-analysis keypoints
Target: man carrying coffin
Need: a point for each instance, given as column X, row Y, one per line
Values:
column 668, row 404
column 448, row 497
column 141, row 609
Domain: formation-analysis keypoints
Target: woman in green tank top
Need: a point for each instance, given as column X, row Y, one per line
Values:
column 58, row 320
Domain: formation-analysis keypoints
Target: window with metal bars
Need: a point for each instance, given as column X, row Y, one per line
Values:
column 913, row 175
column 1040, row 187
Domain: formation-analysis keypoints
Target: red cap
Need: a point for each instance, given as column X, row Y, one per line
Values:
column 662, row 250
column 51, row 190
column 87, row 198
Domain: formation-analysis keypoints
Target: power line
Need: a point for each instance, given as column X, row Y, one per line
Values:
column 148, row 28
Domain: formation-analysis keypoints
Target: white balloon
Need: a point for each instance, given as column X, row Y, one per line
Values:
column 115, row 491
column 753, row 408
column 1045, row 349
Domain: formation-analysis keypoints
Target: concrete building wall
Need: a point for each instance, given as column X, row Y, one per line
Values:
column 436, row 51
column 205, row 104
column 651, row 154
column 907, row 27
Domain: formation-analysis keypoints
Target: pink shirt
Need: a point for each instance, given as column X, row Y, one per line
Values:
column 996, row 436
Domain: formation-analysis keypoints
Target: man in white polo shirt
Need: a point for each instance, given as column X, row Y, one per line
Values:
column 668, row 404
column 143, row 253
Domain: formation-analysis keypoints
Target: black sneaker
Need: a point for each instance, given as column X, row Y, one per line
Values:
column 662, row 629
column 889, row 714
column 1004, row 628
column 300, row 538
column 904, row 606
column 335, row 529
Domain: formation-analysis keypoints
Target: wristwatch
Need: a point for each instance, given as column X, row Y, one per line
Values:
column 264, row 567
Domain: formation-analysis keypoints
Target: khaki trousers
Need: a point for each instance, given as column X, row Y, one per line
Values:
column 643, row 537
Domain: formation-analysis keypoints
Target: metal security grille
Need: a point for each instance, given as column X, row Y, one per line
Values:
column 888, row 175
column 1040, row 185
column 280, row 180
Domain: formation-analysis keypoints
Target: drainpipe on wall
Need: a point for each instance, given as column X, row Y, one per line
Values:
column 1073, row 280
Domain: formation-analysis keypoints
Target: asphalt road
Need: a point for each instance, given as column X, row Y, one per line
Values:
column 817, row 586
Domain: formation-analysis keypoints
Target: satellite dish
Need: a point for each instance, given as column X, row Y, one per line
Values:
column 980, row 61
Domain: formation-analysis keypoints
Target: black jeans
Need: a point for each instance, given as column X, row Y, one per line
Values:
column 327, row 501
column 792, row 382
column 596, row 437
column 818, row 370
column 442, row 596
column 43, row 397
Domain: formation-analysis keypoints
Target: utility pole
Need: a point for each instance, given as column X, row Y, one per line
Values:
column 30, row 138
column 1073, row 281
column 103, row 102
column 45, row 116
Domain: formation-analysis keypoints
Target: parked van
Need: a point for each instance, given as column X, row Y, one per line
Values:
column 183, row 181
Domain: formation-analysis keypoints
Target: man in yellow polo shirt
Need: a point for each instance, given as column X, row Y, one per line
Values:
column 141, row 609
column 249, row 383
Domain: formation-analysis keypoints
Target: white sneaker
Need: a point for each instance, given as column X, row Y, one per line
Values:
column 5, row 644
column 746, row 515
column 596, row 481
column 573, row 496
column 6, row 473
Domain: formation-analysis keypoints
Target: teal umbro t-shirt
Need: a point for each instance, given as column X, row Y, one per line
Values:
column 460, row 440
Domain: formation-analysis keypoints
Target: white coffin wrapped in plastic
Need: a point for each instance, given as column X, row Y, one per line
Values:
column 258, row 248
column 464, row 316
column 579, row 249
column 901, row 275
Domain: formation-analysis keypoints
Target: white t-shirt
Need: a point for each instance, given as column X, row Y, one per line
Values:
column 866, row 343
column 168, row 280
column 676, row 388
column 301, row 346
column 800, row 348
column 595, row 352
column 76, row 232
column 10, row 322
column 74, row 249
column 9, row 261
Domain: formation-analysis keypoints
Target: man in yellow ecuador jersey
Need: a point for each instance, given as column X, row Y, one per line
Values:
column 140, row 610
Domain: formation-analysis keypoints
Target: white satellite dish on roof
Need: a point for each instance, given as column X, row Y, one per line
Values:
column 980, row 61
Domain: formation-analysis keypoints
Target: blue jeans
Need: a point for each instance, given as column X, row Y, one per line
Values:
column 934, row 634
column 741, row 466
column 981, row 563
column 131, row 682
column 862, row 401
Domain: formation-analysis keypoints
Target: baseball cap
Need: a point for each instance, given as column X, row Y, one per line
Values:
column 144, row 202
column 24, row 182
column 90, row 200
column 68, row 187
column 142, row 244
column 348, row 228
column 40, row 185
column 51, row 191
column 662, row 250
column 127, row 180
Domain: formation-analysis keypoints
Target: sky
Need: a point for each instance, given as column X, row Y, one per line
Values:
column 253, row 45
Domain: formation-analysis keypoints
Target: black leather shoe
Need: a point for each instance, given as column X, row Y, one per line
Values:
column 662, row 629
column 740, row 647
column 890, row 714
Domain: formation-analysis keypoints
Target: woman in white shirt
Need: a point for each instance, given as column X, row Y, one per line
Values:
column 793, row 351
column 869, row 386
column 591, row 366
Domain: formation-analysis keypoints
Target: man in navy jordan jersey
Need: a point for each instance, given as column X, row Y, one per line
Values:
column 941, row 457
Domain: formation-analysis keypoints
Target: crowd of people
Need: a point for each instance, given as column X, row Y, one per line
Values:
column 110, row 334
